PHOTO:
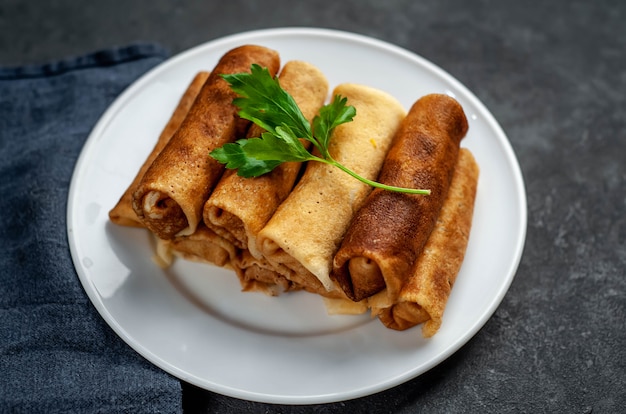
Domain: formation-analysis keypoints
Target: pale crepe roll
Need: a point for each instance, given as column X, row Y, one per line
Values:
column 171, row 194
column 389, row 232
column 302, row 236
column 238, row 207
column 123, row 213
column 424, row 296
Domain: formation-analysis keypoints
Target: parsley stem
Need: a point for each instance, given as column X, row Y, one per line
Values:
column 331, row 161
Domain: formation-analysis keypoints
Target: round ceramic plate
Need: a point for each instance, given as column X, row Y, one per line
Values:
column 193, row 321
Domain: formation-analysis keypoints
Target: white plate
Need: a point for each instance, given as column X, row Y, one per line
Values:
column 192, row 320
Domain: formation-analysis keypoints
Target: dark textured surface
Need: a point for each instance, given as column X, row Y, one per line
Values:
column 56, row 353
column 554, row 75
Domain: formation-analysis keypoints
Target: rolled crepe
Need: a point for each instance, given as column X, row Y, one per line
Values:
column 424, row 296
column 238, row 207
column 203, row 245
column 171, row 194
column 256, row 274
column 305, row 231
column 390, row 230
column 122, row 213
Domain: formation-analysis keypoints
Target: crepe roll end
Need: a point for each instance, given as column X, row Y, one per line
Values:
column 403, row 315
column 220, row 217
column 226, row 224
column 161, row 214
column 359, row 278
column 269, row 247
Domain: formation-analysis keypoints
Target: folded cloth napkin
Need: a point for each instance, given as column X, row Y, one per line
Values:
column 56, row 353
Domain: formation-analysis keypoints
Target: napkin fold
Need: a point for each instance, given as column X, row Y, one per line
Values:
column 56, row 353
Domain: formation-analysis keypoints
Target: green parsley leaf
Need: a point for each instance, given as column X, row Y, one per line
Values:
column 265, row 103
column 331, row 116
column 236, row 156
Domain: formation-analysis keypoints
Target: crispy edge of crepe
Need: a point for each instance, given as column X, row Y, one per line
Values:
column 122, row 213
column 172, row 192
column 344, row 306
column 239, row 207
column 424, row 295
column 257, row 275
column 203, row 245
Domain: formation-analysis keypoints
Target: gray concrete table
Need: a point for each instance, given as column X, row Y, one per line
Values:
column 553, row 73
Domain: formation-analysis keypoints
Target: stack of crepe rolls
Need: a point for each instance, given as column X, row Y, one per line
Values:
column 310, row 226
column 389, row 232
column 238, row 207
column 402, row 252
column 303, row 235
column 424, row 295
column 172, row 192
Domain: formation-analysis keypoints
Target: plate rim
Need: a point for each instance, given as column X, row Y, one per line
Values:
column 148, row 76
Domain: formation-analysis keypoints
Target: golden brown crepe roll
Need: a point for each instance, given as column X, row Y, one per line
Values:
column 238, row 207
column 170, row 197
column 123, row 213
column 302, row 236
column 424, row 296
column 390, row 230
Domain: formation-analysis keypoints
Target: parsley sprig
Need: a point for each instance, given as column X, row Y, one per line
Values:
column 265, row 103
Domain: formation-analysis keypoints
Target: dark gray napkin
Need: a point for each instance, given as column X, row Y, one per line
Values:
column 56, row 353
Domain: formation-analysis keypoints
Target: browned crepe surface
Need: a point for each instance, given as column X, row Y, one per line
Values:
column 425, row 294
column 296, row 247
column 389, row 231
column 122, row 213
column 238, row 207
column 171, row 194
